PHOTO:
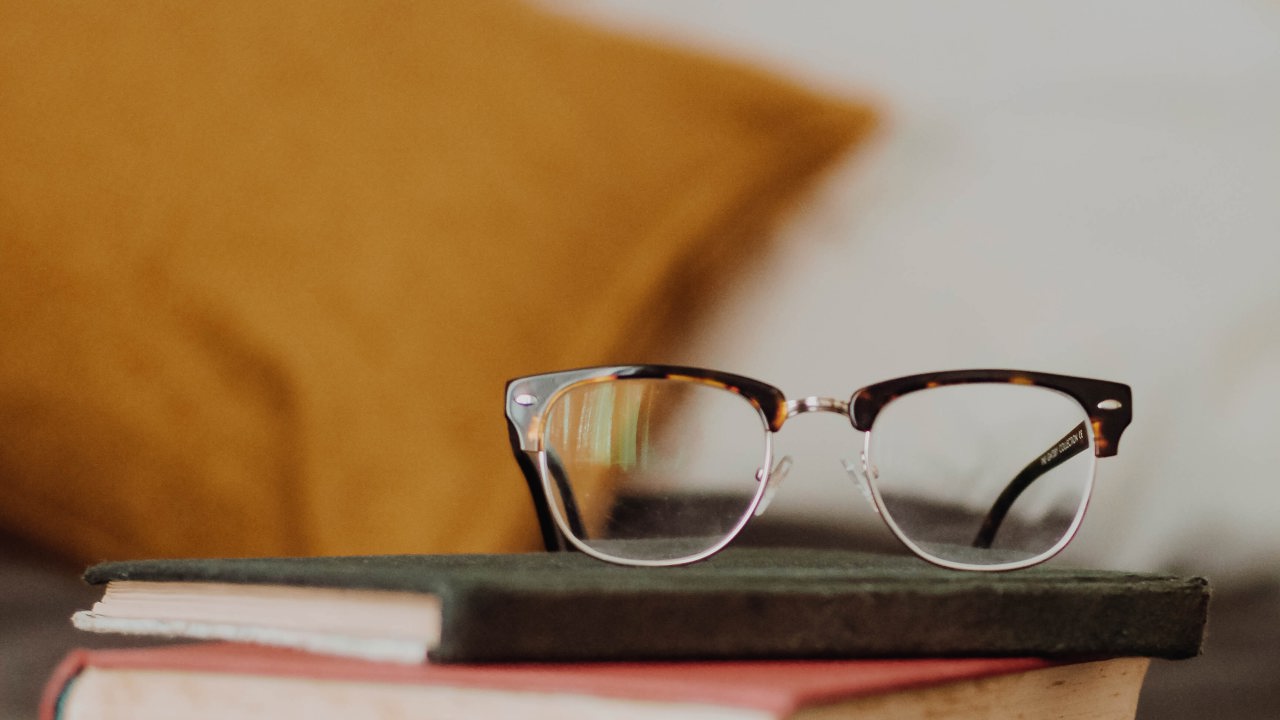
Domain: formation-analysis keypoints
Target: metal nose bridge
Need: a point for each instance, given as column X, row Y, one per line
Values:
column 817, row 404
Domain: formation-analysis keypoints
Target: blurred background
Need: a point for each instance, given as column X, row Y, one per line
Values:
column 1076, row 188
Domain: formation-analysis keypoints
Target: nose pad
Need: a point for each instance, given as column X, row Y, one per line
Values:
column 775, row 479
column 861, row 473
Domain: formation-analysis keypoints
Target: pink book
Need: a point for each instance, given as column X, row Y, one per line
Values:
column 235, row 680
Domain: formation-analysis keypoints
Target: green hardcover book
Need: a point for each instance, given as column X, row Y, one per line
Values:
column 744, row 603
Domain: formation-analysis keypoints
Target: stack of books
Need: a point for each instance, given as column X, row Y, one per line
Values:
column 752, row 633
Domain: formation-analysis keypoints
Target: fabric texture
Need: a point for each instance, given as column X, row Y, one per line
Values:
column 745, row 602
column 267, row 263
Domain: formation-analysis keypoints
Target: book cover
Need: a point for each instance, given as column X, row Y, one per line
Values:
column 745, row 603
column 234, row 680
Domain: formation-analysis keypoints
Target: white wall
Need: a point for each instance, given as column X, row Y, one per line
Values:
column 1071, row 187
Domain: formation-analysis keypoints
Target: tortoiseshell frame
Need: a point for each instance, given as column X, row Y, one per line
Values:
column 1108, row 422
column 1106, row 404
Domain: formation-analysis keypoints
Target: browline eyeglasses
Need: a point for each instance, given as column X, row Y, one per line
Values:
column 658, row 465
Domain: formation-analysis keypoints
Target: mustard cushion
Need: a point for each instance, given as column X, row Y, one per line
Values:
column 266, row 264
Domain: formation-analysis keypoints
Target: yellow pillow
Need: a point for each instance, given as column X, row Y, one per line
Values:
column 266, row 264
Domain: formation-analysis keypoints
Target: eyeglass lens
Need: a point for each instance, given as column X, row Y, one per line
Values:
column 653, row 469
column 982, row 474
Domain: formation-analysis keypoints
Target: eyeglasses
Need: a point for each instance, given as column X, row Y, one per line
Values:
column 660, row 465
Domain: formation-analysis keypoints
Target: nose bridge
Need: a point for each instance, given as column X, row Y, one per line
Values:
column 814, row 403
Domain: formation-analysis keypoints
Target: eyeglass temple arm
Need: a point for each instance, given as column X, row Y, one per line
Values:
column 1070, row 445
column 551, row 536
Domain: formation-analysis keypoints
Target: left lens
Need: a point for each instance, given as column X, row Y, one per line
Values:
column 982, row 475
column 652, row 470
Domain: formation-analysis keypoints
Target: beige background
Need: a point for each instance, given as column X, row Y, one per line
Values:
column 1086, row 188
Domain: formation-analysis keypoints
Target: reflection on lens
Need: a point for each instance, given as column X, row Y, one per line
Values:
column 983, row 474
column 652, row 469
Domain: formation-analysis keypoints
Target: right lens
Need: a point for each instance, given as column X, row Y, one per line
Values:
column 652, row 470
column 983, row 475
